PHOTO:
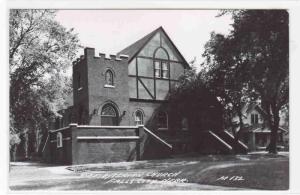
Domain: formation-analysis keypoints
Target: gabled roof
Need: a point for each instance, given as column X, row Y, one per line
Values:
column 133, row 49
column 251, row 106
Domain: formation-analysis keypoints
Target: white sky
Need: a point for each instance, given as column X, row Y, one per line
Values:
column 110, row 31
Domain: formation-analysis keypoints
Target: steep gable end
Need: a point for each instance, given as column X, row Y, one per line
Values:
column 148, row 44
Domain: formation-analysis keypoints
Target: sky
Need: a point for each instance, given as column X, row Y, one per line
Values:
column 110, row 31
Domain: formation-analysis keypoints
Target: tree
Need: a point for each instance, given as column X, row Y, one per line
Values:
column 40, row 51
column 225, row 79
column 259, row 53
column 191, row 99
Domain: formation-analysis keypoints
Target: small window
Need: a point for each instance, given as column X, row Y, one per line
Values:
column 161, row 69
column 59, row 140
column 139, row 118
column 109, row 78
column 162, row 120
column 254, row 118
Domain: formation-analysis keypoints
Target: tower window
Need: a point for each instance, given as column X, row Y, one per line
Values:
column 109, row 78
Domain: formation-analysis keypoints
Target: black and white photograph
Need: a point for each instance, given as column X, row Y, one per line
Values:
column 148, row 99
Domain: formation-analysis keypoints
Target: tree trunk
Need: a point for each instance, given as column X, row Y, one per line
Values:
column 237, row 135
column 274, row 130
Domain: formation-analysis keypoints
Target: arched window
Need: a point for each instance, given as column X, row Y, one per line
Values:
column 161, row 63
column 161, row 53
column 162, row 120
column 59, row 140
column 109, row 78
column 139, row 117
column 109, row 115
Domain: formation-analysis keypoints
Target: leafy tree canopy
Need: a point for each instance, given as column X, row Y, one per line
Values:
column 40, row 52
column 252, row 62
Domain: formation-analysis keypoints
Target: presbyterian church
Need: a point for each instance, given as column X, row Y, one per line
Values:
column 120, row 111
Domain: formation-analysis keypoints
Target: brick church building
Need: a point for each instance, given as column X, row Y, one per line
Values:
column 119, row 110
column 128, row 88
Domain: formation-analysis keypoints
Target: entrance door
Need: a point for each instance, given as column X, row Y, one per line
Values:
column 109, row 115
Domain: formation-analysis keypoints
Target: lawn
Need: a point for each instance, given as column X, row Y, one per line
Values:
column 210, row 172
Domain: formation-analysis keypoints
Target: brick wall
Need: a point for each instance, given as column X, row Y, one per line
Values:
column 60, row 155
column 90, row 146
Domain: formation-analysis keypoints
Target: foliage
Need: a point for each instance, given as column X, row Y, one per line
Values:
column 40, row 51
column 192, row 100
column 252, row 61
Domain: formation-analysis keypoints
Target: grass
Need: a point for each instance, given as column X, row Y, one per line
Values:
column 259, row 171
column 267, row 174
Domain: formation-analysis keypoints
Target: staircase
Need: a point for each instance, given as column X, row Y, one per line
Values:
column 152, row 146
column 219, row 142
column 206, row 142
column 238, row 146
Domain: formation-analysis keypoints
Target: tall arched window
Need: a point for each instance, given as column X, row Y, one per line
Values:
column 139, row 117
column 162, row 120
column 109, row 115
column 109, row 78
column 59, row 140
column 161, row 63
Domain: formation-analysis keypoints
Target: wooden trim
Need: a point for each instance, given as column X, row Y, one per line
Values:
column 147, row 100
column 150, row 58
column 151, row 35
column 176, row 49
column 154, row 78
column 160, row 42
column 169, row 68
column 146, row 77
column 137, row 74
column 145, row 87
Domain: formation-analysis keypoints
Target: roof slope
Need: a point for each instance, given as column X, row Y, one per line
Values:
column 133, row 49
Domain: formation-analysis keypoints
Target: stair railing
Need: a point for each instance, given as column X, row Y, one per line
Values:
column 156, row 137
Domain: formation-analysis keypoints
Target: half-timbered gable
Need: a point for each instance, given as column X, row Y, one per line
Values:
column 155, row 64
